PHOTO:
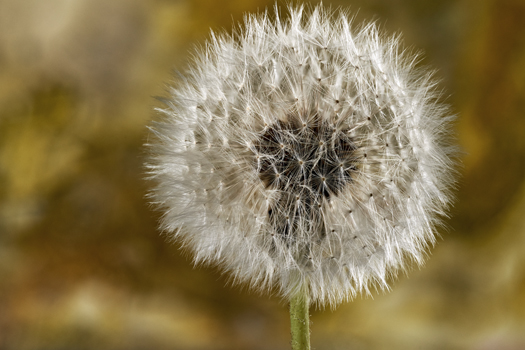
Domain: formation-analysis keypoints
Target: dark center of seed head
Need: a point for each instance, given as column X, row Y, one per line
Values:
column 307, row 163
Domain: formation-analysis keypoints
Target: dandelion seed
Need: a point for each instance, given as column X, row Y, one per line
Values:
column 304, row 153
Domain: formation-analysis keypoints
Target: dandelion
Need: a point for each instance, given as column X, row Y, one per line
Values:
column 306, row 155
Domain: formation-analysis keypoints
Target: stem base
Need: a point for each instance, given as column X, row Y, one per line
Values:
column 300, row 320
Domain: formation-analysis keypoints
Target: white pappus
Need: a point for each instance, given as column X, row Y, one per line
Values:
column 304, row 152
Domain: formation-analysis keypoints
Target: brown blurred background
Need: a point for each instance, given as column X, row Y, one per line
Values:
column 82, row 265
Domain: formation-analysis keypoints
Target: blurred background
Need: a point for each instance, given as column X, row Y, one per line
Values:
column 82, row 265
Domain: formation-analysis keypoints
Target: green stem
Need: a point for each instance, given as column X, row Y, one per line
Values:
column 300, row 320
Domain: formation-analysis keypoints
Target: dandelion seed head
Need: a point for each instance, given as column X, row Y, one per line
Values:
column 304, row 151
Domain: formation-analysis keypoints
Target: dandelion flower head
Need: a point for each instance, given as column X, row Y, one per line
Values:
column 303, row 152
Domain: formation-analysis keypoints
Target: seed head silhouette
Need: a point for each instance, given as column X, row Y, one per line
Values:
column 302, row 152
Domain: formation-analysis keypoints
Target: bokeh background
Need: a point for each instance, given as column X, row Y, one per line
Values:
column 82, row 265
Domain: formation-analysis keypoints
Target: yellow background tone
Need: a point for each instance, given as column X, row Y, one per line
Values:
column 82, row 265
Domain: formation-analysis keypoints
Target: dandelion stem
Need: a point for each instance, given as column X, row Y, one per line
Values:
column 300, row 320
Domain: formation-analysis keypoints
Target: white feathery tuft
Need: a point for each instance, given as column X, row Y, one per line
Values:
column 304, row 151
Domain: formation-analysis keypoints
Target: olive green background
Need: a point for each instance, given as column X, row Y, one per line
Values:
column 82, row 265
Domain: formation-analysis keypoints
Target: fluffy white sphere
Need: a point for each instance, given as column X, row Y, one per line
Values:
column 303, row 152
